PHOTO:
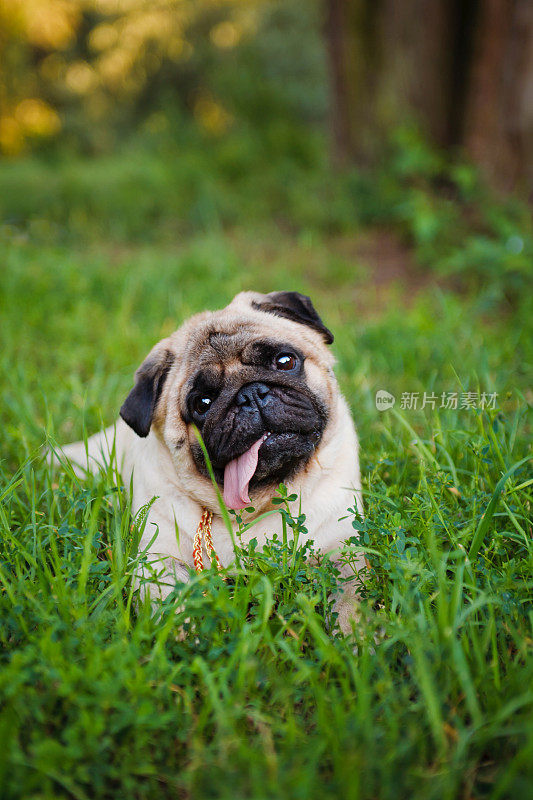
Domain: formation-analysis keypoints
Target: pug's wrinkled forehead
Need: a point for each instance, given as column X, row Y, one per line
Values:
column 227, row 335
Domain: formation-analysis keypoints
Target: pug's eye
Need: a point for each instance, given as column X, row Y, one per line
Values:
column 286, row 361
column 201, row 404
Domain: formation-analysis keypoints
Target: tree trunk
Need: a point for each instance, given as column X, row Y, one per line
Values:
column 461, row 69
column 336, row 40
column 499, row 109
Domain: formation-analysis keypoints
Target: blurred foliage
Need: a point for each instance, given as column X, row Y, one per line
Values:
column 192, row 115
column 160, row 189
column 82, row 73
column 458, row 228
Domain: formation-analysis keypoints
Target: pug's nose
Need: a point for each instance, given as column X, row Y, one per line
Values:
column 253, row 394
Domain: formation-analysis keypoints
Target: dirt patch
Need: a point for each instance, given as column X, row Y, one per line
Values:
column 368, row 270
column 388, row 272
column 391, row 261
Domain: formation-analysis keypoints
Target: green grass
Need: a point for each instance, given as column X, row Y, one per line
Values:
column 432, row 698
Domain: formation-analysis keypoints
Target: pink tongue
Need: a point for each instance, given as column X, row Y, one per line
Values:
column 238, row 474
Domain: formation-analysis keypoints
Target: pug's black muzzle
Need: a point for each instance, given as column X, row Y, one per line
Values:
column 292, row 419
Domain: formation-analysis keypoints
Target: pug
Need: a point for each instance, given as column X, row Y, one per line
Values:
column 256, row 380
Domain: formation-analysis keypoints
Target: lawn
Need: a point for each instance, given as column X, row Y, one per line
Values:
column 426, row 292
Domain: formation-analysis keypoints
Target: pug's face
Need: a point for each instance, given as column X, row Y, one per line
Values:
column 255, row 379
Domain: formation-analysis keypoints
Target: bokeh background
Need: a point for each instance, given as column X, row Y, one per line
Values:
column 81, row 76
column 265, row 85
column 373, row 155
column 157, row 157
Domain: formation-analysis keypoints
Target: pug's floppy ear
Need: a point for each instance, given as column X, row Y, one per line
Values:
column 297, row 307
column 139, row 406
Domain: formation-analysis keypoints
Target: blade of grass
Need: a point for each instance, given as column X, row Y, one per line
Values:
column 223, row 510
column 485, row 520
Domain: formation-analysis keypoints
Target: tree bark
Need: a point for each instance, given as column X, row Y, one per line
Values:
column 499, row 109
column 336, row 35
column 461, row 69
